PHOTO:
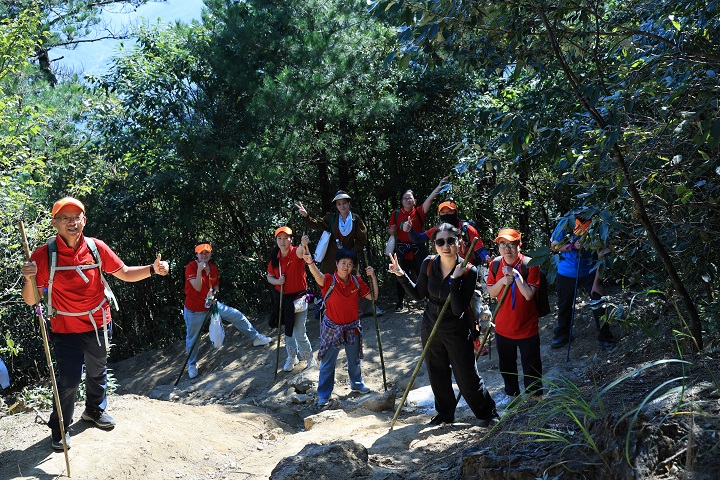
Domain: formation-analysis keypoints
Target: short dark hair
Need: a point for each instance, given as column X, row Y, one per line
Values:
column 446, row 227
column 346, row 253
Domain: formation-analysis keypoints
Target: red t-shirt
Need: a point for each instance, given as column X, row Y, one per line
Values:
column 70, row 293
column 417, row 215
column 342, row 304
column 294, row 270
column 194, row 299
column 522, row 321
column 471, row 233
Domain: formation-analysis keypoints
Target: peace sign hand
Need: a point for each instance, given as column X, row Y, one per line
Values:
column 394, row 266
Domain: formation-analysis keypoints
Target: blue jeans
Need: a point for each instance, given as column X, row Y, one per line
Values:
column 327, row 369
column 299, row 344
column 72, row 350
column 194, row 322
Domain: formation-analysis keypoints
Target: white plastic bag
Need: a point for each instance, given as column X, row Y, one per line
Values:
column 322, row 246
column 390, row 245
column 300, row 304
column 217, row 331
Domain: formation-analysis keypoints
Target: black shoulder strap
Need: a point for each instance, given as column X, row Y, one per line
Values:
column 495, row 266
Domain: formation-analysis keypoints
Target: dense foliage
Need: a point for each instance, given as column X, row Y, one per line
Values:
column 213, row 131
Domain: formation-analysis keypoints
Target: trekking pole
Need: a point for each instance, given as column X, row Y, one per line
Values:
column 487, row 332
column 427, row 346
column 197, row 339
column 572, row 316
column 377, row 329
column 280, row 314
column 46, row 344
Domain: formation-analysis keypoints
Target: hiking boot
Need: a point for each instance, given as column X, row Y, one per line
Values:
column 192, row 370
column 438, row 420
column 100, row 418
column 56, row 441
column 311, row 362
column 560, row 341
column 488, row 422
column 261, row 340
column 361, row 390
column 290, row 364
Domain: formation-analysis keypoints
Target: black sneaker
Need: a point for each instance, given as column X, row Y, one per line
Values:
column 100, row 418
column 399, row 306
column 558, row 342
column 438, row 420
column 488, row 422
column 56, row 441
column 607, row 344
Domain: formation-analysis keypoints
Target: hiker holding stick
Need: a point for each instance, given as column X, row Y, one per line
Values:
column 70, row 268
column 202, row 283
column 516, row 322
column 451, row 349
column 340, row 326
column 287, row 268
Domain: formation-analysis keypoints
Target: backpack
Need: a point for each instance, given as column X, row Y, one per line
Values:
column 332, row 287
column 52, row 264
column 542, row 300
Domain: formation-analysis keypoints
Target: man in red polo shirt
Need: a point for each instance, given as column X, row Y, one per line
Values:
column 516, row 322
column 79, row 312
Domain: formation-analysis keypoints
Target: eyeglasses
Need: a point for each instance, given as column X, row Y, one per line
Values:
column 408, row 198
column 451, row 241
column 66, row 220
column 349, row 265
column 508, row 245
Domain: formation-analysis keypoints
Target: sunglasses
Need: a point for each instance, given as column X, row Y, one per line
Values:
column 451, row 241
column 508, row 245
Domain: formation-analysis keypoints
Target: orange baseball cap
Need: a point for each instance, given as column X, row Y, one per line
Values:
column 203, row 247
column 508, row 234
column 449, row 205
column 64, row 202
column 283, row 229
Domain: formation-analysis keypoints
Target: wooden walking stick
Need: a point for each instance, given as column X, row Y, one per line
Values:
column 46, row 343
column 427, row 346
column 280, row 313
column 377, row 329
column 487, row 332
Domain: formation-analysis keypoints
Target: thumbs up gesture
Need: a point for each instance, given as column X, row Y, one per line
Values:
column 160, row 266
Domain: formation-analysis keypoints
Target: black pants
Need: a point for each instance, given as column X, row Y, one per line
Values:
column 411, row 267
column 529, row 358
column 451, row 352
column 72, row 350
column 566, row 291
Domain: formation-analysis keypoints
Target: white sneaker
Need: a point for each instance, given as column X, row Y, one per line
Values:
column 290, row 364
column 192, row 370
column 502, row 400
column 311, row 362
column 261, row 340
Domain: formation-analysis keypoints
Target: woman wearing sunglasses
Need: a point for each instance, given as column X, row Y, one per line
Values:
column 451, row 351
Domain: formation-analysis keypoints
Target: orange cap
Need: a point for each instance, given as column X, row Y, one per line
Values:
column 508, row 234
column 203, row 247
column 283, row 229
column 448, row 204
column 64, row 202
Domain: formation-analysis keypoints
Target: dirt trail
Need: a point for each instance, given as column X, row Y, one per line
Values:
column 232, row 423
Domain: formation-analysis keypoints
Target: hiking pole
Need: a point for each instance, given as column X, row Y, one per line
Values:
column 427, row 346
column 572, row 316
column 280, row 314
column 487, row 332
column 46, row 344
column 377, row 329
column 197, row 339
